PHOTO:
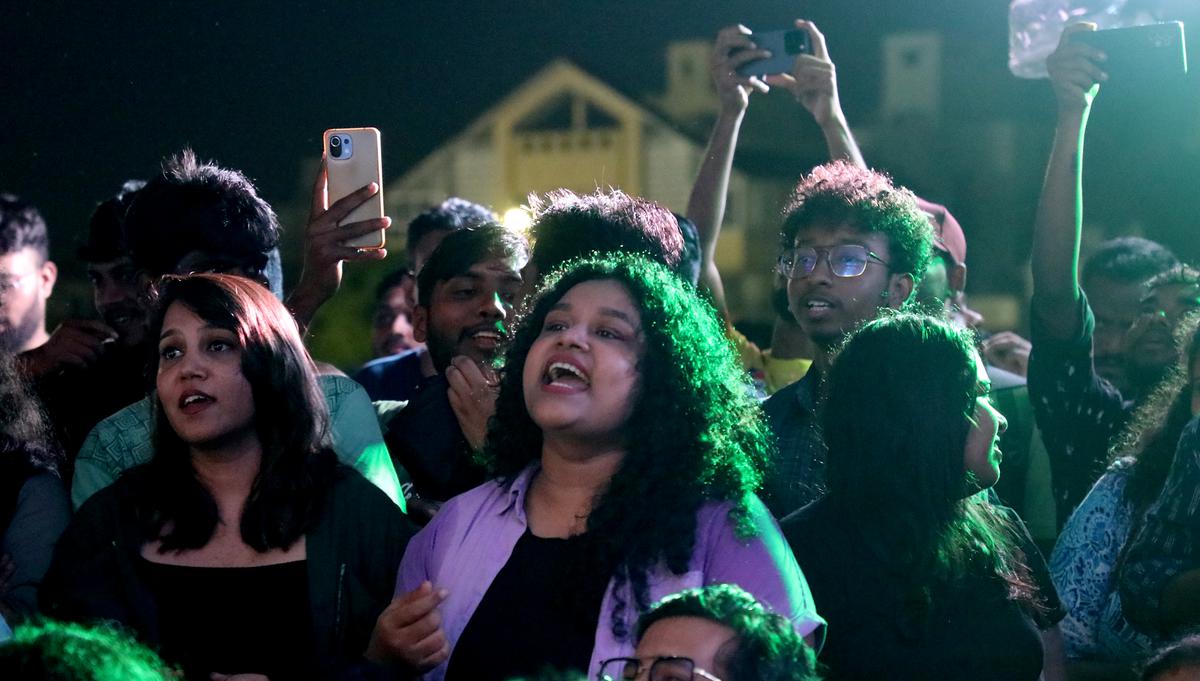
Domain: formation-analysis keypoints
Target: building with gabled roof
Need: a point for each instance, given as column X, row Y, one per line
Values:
column 563, row 127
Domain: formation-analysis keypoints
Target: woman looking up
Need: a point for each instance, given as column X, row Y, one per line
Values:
column 625, row 449
column 242, row 547
column 918, row 574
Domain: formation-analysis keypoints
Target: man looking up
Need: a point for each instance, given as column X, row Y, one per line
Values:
column 813, row 83
column 466, row 293
column 853, row 243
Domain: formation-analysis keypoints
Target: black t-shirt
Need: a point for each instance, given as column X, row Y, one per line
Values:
column 252, row 620
column 972, row 631
column 538, row 613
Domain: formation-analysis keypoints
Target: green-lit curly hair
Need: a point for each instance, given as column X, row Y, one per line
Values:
column 67, row 651
column 767, row 647
column 695, row 433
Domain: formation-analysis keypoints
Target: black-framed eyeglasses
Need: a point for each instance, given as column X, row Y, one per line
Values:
column 845, row 260
column 658, row 669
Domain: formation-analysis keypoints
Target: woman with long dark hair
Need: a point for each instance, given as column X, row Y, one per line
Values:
column 917, row 573
column 242, row 546
column 626, row 449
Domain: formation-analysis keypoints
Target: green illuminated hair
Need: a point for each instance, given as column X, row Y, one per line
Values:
column 767, row 647
column 63, row 651
column 842, row 193
column 695, row 433
column 899, row 477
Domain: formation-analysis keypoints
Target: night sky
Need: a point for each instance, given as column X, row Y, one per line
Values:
column 94, row 93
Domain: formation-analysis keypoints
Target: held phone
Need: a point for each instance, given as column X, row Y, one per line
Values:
column 1138, row 52
column 783, row 46
column 352, row 161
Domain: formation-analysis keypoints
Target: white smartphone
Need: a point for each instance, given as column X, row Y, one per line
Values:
column 352, row 161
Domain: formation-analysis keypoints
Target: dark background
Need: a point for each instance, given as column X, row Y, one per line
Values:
column 93, row 94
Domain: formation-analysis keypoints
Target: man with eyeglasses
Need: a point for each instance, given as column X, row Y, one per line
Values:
column 27, row 277
column 852, row 244
column 715, row 633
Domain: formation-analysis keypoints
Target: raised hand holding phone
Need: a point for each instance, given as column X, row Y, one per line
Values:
column 331, row 237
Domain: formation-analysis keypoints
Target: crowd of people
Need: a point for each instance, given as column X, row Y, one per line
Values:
column 566, row 461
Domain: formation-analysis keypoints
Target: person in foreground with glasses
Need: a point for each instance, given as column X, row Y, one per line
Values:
column 715, row 633
column 853, row 244
column 918, row 573
column 625, row 449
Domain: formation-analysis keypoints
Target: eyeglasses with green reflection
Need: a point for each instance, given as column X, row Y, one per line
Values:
column 660, row 669
column 845, row 260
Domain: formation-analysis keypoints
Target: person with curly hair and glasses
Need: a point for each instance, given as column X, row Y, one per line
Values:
column 715, row 633
column 626, row 451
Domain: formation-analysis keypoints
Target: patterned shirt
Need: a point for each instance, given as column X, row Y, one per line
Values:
column 1168, row 542
column 797, row 475
column 1078, row 412
column 1083, row 566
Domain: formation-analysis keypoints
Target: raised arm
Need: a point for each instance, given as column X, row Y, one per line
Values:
column 813, row 81
column 324, row 249
column 706, row 205
column 1076, row 77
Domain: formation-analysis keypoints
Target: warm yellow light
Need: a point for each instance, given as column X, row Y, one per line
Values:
column 517, row 219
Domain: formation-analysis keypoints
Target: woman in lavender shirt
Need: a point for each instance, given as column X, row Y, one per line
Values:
column 626, row 448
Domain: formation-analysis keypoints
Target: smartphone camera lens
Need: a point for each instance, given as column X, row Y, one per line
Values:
column 335, row 141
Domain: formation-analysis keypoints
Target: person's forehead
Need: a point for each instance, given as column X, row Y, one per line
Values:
column 823, row 234
column 694, row 637
column 107, row 266
column 496, row 268
column 19, row 262
column 397, row 296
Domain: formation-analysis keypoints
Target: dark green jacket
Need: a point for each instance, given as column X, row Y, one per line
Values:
column 352, row 557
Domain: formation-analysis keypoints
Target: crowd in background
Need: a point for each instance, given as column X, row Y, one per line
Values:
column 567, row 461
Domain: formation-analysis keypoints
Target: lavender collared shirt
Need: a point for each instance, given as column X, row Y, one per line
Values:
column 473, row 535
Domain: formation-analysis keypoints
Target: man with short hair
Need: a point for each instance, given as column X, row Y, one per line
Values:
column 391, row 323
column 428, row 229
column 116, row 376
column 853, row 243
column 467, row 291
column 398, row 375
column 27, row 275
column 1115, row 278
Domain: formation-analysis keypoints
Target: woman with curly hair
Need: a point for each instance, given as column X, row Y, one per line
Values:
column 243, row 546
column 918, row 574
column 625, row 448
